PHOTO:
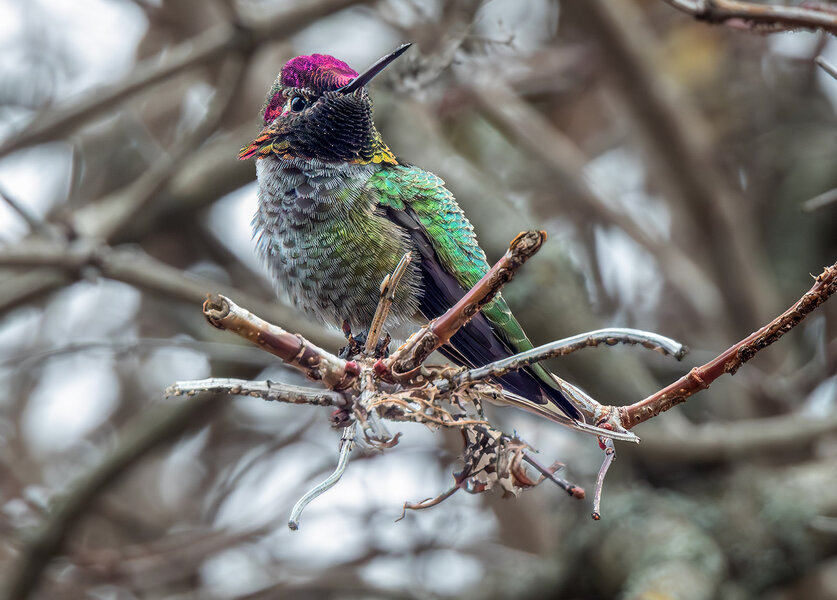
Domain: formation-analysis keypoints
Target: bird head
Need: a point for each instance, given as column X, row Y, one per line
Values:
column 319, row 107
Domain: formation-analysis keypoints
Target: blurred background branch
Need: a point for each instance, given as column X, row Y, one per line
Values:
column 670, row 162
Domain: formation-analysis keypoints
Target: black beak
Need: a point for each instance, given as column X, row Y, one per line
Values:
column 370, row 73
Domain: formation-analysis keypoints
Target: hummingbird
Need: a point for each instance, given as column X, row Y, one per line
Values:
column 338, row 209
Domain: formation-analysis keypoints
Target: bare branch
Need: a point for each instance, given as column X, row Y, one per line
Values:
column 777, row 18
column 729, row 361
column 208, row 46
column 316, row 363
column 109, row 216
column 610, row 456
column 137, row 268
column 266, row 390
column 347, row 443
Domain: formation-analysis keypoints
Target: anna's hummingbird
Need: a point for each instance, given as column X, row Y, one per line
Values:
column 338, row 209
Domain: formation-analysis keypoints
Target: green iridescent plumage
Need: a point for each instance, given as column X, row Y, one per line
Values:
column 453, row 239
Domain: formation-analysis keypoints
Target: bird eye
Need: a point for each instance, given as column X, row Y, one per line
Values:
column 298, row 104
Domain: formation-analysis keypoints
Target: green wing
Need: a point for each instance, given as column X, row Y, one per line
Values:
column 403, row 188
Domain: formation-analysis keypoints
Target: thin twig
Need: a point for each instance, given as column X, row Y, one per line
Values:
column 591, row 339
column 347, row 442
column 388, row 287
column 35, row 223
column 826, row 66
column 610, row 456
column 820, row 201
column 266, row 390
column 571, row 488
column 429, row 502
column 729, row 361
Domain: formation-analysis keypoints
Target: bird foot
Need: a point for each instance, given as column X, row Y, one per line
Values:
column 382, row 347
column 357, row 343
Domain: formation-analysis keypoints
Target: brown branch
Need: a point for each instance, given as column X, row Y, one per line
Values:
column 778, row 18
column 701, row 377
column 295, row 350
column 413, row 353
column 152, row 429
column 208, row 46
column 137, row 268
column 430, row 502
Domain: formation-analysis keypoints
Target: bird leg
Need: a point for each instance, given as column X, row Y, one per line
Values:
column 355, row 343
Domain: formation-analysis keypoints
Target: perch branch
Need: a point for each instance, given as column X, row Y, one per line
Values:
column 701, row 377
column 778, row 18
column 411, row 355
column 316, row 363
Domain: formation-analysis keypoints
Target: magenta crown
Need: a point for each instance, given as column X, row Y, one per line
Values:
column 317, row 72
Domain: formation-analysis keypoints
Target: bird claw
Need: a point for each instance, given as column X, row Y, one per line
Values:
column 355, row 345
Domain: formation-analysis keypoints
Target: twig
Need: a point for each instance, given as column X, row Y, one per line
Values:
column 266, row 390
column 150, row 430
column 820, row 201
column 410, row 356
column 732, row 441
column 571, row 488
column 388, row 287
column 701, row 377
column 316, row 363
column 35, row 223
column 429, row 502
column 610, row 456
column 591, row 339
column 347, row 442
column 780, row 18
column 826, row 66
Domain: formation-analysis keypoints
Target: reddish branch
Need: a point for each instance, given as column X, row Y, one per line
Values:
column 316, row 363
column 700, row 378
column 811, row 15
column 411, row 355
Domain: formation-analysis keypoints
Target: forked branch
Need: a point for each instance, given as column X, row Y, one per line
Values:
column 404, row 388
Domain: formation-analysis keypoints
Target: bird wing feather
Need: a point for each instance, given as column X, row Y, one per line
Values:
column 453, row 262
